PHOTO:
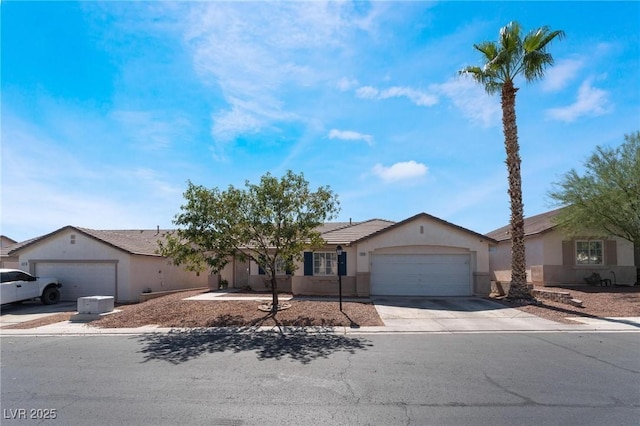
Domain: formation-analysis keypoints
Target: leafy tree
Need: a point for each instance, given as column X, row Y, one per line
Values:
column 606, row 198
column 270, row 223
column 505, row 60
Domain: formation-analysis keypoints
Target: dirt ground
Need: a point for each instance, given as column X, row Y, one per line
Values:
column 173, row 311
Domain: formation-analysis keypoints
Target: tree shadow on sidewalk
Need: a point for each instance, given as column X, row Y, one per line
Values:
column 301, row 344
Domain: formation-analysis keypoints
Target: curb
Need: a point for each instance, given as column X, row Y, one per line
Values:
column 81, row 329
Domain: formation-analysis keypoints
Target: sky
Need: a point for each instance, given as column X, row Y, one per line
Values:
column 108, row 109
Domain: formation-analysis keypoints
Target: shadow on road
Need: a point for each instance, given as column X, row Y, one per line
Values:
column 300, row 344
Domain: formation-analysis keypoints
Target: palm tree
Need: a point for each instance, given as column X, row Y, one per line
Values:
column 505, row 60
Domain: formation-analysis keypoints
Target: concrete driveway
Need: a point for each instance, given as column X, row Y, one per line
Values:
column 30, row 310
column 449, row 314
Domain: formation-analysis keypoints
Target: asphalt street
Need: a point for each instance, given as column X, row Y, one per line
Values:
column 310, row 378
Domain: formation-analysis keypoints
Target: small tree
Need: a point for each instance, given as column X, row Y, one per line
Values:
column 270, row 223
column 511, row 57
column 606, row 199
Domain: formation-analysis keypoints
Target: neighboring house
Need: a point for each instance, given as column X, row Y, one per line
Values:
column 422, row 256
column 6, row 261
column 554, row 259
column 121, row 263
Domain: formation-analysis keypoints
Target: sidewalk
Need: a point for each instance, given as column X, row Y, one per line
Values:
column 439, row 326
column 400, row 315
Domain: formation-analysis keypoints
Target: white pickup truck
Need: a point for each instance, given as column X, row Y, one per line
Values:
column 17, row 285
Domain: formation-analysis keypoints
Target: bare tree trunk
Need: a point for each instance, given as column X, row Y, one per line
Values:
column 518, row 288
column 274, row 293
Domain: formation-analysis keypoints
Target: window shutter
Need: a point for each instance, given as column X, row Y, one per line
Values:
column 342, row 264
column 289, row 271
column 308, row 263
column 568, row 253
column 611, row 252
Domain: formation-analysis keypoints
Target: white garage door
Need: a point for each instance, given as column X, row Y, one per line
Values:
column 82, row 278
column 420, row 275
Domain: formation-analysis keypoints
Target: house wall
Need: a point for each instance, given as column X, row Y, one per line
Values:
column 327, row 285
column 553, row 272
column 263, row 282
column 235, row 272
column 545, row 262
column 134, row 273
column 59, row 248
column 156, row 274
column 419, row 236
column 426, row 236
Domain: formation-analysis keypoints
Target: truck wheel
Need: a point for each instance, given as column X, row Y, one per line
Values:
column 50, row 296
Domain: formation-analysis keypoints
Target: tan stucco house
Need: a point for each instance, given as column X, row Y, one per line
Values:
column 553, row 259
column 422, row 256
column 119, row 263
column 7, row 261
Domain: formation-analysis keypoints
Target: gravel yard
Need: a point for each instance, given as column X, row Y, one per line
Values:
column 597, row 302
column 173, row 311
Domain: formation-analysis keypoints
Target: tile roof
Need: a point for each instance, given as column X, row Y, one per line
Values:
column 532, row 226
column 354, row 231
column 145, row 241
column 434, row 218
column 134, row 241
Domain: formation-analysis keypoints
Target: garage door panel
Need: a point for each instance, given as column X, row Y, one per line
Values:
column 421, row 275
column 81, row 279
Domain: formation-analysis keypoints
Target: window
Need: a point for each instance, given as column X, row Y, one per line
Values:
column 281, row 267
column 325, row 263
column 589, row 252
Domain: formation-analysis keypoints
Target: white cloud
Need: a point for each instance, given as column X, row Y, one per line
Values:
column 350, row 135
column 590, row 101
column 417, row 97
column 561, row 74
column 367, row 92
column 346, row 84
column 254, row 56
column 407, row 170
column 472, row 100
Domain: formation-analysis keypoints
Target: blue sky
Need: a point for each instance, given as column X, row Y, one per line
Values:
column 109, row 108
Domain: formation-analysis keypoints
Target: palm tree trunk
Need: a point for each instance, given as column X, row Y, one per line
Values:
column 518, row 288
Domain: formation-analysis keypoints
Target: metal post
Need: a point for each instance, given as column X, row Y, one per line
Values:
column 339, row 255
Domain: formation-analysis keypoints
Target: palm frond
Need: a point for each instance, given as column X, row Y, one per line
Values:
column 510, row 39
column 559, row 34
column 488, row 49
column 512, row 55
column 534, row 64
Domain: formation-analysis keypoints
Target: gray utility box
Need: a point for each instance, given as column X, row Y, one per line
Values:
column 95, row 304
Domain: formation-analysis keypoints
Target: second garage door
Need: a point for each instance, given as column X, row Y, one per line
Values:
column 420, row 275
column 80, row 279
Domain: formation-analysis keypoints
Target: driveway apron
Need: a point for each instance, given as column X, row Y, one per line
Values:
column 450, row 314
column 32, row 310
